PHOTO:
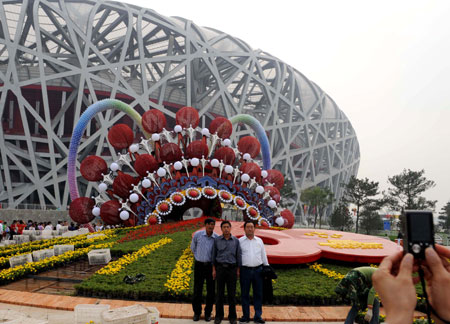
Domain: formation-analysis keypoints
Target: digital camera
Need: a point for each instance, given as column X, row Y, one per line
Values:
column 418, row 232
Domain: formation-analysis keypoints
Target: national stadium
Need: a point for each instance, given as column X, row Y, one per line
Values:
column 59, row 57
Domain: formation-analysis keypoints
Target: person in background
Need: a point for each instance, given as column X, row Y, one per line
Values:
column 395, row 285
column 58, row 226
column 13, row 229
column 1, row 230
column 40, row 227
column 72, row 227
column 202, row 245
column 5, row 231
column 98, row 227
column 226, row 260
column 48, row 227
column 20, row 227
column 253, row 258
column 356, row 287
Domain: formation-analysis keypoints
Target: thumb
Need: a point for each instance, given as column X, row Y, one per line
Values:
column 433, row 261
column 406, row 266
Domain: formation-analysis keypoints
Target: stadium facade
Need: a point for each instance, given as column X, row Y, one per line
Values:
column 58, row 57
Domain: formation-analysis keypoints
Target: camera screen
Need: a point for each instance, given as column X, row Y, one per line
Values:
column 420, row 227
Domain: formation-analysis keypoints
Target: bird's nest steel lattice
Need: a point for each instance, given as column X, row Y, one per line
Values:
column 59, row 57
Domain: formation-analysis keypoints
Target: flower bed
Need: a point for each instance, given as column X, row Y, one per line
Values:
column 178, row 282
column 116, row 266
column 44, row 244
column 161, row 229
column 156, row 267
column 11, row 274
column 329, row 273
column 80, row 241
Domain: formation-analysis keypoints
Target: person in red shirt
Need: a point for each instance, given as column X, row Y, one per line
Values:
column 20, row 227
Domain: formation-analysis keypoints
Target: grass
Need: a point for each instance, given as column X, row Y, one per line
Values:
column 156, row 267
column 296, row 284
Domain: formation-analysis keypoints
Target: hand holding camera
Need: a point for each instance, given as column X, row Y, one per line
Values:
column 393, row 280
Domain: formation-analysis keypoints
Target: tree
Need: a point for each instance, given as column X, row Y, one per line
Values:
column 287, row 194
column 444, row 217
column 318, row 198
column 341, row 218
column 371, row 220
column 408, row 187
column 360, row 192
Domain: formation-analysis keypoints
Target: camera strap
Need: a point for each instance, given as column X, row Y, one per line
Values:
column 429, row 308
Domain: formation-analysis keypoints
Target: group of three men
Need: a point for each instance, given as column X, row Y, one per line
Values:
column 222, row 260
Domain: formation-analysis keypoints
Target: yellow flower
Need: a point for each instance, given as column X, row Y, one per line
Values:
column 179, row 279
column 115, row 266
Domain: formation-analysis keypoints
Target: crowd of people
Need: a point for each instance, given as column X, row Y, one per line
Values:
column 17, row 227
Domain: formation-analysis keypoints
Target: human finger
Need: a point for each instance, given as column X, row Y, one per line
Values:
column 434, row 262
column 442, row 251
column 389, row 261
column 406, row 266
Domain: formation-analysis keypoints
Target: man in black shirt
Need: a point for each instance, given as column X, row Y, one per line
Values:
column 226, row 262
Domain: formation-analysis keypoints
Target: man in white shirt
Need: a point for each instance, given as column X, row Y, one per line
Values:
column 253, row 258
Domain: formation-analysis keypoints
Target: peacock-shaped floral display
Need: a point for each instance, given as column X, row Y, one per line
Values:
column 170, row 171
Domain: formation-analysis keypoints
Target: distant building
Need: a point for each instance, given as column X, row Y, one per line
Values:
column 58, row 57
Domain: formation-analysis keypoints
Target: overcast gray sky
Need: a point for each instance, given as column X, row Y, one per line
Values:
column 386, row 64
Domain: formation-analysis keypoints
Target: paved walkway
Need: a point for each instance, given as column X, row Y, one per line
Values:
column 49, row 304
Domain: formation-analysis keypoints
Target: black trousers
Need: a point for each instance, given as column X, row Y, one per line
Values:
column 226, row 276
column 202, row 273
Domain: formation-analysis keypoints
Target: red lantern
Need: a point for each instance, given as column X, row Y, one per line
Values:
column 252, row 169
column 122, row 184
column 153, row 121
column 93, row 167
column 289, row 217
column 187, row 117
column 222, row 126
column 120, row 136
column 144, row 163
column 226, row 154
column 275, row 177
column 109, row 212
column 170, row 152
column 81, row 210
column 250, row 145
column 197, row 149
column 274, row 193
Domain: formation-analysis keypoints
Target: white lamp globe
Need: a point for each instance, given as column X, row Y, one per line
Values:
column 161, row 172
column 178, row 165
column 205, row 132
column 214, row 163
column 272, row 203
column 279, row 221
column 246, row 157
column 178, row 128
column 155, row 137
column 114, row 166
column 134, row 198
column 195, row 162
column 124, row 215
column 146, row 183
column 96, row 211
column 259, row 189
column 264, row 174
column 229, row 169
column 134, row 148
column 102, row 187
column 226, row 142
column 245, row 177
